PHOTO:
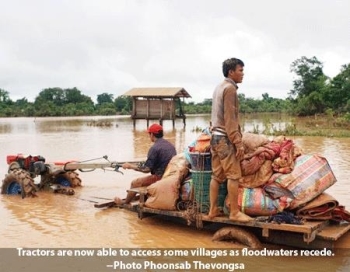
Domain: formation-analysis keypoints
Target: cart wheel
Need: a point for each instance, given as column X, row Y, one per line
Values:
column 69, row 179
column 237, row 234
column 18, row 182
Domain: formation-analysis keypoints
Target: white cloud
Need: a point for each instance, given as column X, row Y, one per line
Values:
column 114, row 45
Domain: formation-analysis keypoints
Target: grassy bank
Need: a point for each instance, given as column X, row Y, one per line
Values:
column 306, row 126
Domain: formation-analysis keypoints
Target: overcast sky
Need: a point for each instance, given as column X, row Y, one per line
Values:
column 112, row 46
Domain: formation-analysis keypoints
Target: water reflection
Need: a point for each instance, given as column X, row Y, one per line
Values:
column 5, row 128
column 49, row 126
column 141, row 142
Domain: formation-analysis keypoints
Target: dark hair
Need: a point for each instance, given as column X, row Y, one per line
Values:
column 159, row 134
column 230, row 64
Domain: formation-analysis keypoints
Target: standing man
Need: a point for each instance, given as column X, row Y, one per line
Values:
column 226, row 143
column 159, row 155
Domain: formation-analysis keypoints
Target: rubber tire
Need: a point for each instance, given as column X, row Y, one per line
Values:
column 19, row 181
column 69, row 178
column 237, row 234
column 12, row 166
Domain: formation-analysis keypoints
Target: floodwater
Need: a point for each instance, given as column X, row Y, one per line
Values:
column 61, row 221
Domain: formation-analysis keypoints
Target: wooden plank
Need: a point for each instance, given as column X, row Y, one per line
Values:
column 179, row 214
column 296, row 240
column 140, row 190
column 108, row 204
column 133, row 206
column 312, row 234
column 334, row 232
column 308, row 227
column 155, row 109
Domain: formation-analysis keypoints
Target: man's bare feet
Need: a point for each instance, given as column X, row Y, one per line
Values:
column 119, row 201
column 240, row 217
column 214, row 212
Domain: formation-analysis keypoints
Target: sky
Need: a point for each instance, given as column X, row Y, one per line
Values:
column 111, row 46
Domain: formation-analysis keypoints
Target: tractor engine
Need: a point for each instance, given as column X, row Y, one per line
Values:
column 32, row 164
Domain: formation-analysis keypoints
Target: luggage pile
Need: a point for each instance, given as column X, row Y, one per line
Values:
column 277, row 177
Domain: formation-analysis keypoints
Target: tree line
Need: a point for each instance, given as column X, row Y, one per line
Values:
column 313, row 93
column 63, row 102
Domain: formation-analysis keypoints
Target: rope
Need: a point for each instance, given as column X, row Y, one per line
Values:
column 201, row 205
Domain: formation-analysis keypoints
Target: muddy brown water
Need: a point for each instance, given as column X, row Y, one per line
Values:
column 60, row 221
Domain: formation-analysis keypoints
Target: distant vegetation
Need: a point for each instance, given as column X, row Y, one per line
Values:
column 313, row 93
column 64, row 102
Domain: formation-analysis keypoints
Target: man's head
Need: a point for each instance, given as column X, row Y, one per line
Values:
column 233, row 68
column 156, row 130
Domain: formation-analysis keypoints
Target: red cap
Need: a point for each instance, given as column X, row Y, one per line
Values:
column 155, row 128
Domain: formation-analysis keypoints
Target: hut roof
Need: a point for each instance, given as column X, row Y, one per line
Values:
column 158, row 92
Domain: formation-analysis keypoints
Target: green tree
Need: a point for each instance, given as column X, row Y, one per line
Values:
column 309, row 76
column 85, row 108
column 310, row 85
column 206, row 102
column 54, row 95
column 338, row 94
column 4, row 96
column 104, row 98
column 22, row 102
column 123, row 104
column 106, row 109
column 75, row 96
column 47, row 108
column 59, row 102
column 266, row 97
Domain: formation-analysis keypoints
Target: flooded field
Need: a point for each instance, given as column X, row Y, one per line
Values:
column 61, row 221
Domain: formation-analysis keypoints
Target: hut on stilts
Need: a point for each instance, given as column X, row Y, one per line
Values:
column 158, row 104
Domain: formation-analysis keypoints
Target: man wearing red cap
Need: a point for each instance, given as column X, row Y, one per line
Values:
column 158, row 157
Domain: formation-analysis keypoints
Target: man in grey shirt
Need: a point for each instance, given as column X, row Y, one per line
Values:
column 226, row 143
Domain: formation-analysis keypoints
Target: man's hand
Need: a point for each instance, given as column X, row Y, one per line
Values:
column 127, row 165
column 135, row 167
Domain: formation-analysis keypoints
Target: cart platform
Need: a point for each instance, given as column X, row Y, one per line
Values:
column 310, row 234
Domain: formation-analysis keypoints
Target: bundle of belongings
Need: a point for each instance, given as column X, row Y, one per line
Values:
column 277, row 177
column 164, row 194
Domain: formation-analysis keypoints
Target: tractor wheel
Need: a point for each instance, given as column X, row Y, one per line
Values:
column 13, row 165
column 18, row 182
column 69, row 179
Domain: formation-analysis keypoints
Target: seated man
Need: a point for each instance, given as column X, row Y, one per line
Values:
column 159, row 155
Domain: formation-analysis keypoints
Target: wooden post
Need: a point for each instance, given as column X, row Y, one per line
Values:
column 148, row 108
column 134, row 106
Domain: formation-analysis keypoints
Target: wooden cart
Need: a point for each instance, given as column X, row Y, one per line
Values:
column 311, row 234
